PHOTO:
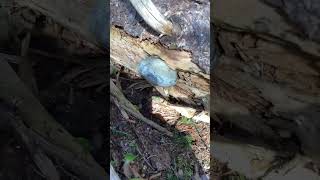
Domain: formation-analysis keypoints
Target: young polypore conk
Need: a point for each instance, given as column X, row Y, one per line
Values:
column 157, row 72
column 152, row 16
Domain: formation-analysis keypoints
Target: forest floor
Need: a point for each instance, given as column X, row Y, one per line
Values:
column 152, row 154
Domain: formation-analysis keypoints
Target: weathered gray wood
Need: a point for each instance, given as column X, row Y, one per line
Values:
column 129, row 51
column 262, row 19
column 192, row 17
column 89, row 19
column 267, row 82
column 258, row 162
column 305, row 15
column 13, row 91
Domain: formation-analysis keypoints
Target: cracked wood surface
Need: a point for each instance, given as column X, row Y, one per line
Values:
column 296, row 25
column 193, row 17
column 128, row 51
column 87, row 18
column 266, row 84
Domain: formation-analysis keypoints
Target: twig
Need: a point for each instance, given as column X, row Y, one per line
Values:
column 144, row 158
column 123, row 112
column 129, row 107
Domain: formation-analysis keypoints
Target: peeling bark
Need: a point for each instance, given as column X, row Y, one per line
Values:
column 193, row 18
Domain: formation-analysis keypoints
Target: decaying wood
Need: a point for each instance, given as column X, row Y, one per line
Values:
column 267, row 82
column 191, row 19
column 13, row 91
column 78, row 16
column 297, row 168
column 192, row 86
column 43, row 162
column 253, row 161
column 129, row 51
column 261, row 93
column 149, row 12
column 10, row 120
column 264, row 20
column 87, row 20
column 261, row 162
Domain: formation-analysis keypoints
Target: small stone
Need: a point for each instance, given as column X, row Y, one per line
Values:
column 157, row 72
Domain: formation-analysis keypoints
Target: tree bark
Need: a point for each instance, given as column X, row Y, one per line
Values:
column 88, row 19
column 267, row 82
column 128, row 51
column 44, row 128
column 191, row 16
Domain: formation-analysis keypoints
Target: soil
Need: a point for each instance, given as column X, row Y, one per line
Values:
column 157, row 155
column 65, row 91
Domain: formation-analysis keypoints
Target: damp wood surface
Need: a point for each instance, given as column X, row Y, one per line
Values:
column 193, row 18
column 129, row 51
column 267, row 83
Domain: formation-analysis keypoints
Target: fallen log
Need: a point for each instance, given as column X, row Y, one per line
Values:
column 261, row 162
column 187, row 51
column 45, row 128
column 287, row 22
column 192, row 86
column 10, row 120
column 129, row 51
column 267, row 82
column 89, row 19
column 191, row 18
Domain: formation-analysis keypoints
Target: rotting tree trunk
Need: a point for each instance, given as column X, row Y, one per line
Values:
column 192, row 16
column 87, row 21
column 131, row 40
column 79, row 17
column 63, row 147
column 192, row 85
column 268, row 78
column 128, row 47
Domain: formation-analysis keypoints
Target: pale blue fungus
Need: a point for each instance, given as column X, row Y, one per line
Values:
column 157, row 72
